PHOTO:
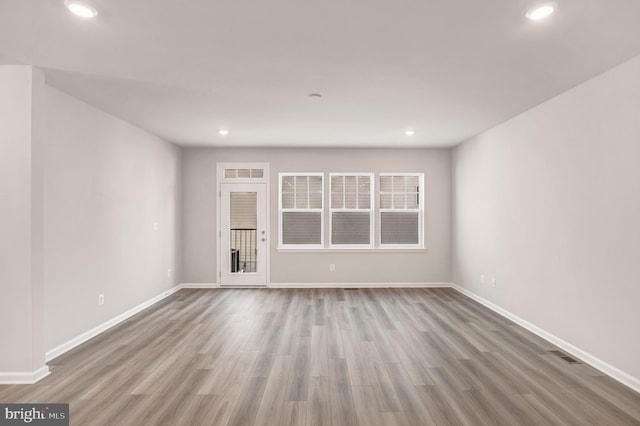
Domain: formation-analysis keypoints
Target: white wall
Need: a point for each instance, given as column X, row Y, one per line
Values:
column 21, row 235
column 106, row 183
column 549, row 204
column 200, row 204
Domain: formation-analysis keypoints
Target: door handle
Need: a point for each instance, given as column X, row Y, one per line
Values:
column 264, row 239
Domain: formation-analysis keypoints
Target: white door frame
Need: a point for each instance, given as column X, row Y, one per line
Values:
column 222, row 180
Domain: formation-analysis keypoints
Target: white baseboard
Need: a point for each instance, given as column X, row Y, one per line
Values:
column 199, row 285
column 57, row 351
column 359, row 285
column 330, row 285
column 24, row 378
column 608, row 369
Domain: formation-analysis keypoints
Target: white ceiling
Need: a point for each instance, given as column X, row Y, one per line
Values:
column 447, row 68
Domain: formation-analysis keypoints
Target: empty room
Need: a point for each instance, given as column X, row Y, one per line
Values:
column 319, row 212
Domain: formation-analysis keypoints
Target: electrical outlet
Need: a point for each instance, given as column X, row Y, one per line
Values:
column 155, row 226
column 332, row 267
column 482, row 279
column 169, row 273
column 493, row 282
column 101, row 299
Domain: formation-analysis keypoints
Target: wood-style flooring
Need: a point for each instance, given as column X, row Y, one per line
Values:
column 325, row 357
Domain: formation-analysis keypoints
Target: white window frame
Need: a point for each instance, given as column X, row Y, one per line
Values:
column 371, row 210
column 420, row 211
column 281, row 210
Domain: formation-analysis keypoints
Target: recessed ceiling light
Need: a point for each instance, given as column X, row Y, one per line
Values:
column 409, row 132
column 223, row 132
column 81, row 9
column 541, row 11
column 315, row 96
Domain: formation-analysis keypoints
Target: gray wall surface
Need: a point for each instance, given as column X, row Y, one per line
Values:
column 200, row 204
column 106, row 184
column 548, row 203
column 21, row 215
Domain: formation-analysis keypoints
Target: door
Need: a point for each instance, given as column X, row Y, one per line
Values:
column 243, row 233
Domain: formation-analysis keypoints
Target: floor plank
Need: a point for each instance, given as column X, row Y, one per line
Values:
column 325, row 357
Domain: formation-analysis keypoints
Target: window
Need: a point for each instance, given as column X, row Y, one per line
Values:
column 301, row 210
column 401, row 209
column 351, row 209
column 243, row 173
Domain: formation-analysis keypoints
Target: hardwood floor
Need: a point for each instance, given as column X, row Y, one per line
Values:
column 325, row 356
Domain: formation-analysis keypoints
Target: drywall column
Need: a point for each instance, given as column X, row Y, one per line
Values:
column 21, row 225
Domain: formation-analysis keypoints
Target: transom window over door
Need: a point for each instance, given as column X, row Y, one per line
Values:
column 401, row 209
column 351, row 209
column 301, row 210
